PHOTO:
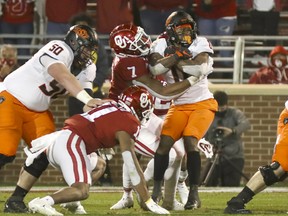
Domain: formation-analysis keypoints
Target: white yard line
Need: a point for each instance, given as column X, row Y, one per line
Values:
column 119, row 189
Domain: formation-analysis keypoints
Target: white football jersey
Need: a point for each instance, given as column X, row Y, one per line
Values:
column 199, row 91
column 32, row 85
column 2, row 87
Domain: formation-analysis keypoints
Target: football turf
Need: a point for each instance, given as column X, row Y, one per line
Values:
column 213, row 203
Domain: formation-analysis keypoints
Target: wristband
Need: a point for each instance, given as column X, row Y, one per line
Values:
column 83, row 96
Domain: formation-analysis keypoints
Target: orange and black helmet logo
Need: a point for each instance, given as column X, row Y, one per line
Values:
column 81, row 32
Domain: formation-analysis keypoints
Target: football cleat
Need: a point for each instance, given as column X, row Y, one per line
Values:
column 183, row 192
column 39, row 206
column 231, row 210
column 193, row 201
column 74, row 207
column 155, row 208
column 15, row 205
column 236, row 206
column 176, row 206
column 125, row 202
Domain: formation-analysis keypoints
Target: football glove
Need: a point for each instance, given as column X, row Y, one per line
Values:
column 178, row 52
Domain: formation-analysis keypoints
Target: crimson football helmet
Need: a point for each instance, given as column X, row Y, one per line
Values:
column 83, row 40
column 139, row 100
column 181, row 28
column 129, row 40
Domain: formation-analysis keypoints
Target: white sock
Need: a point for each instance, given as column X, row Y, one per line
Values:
column 170, row 183
column 126, row 181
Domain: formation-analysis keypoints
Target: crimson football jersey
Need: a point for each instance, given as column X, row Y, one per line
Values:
column 124, row 70
column 98, row 126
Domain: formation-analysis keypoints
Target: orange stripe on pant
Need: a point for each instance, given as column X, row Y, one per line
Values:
column 189, row 119
column 16, row 122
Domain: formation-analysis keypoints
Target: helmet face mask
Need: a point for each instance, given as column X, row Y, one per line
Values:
column 184, row 34
column 139, row 102
column 181, row 28
column 129, row 40
column 84, row 42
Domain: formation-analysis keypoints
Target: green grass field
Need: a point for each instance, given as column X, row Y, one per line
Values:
column 213, row 203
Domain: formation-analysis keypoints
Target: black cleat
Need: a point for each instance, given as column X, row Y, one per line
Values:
column 236, row 206
column 157, row 198
column 15, row 205
column 193, row 201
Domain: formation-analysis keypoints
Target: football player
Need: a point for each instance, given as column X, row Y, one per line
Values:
column 25, row 103
column 113, row 123
column 131, row 46
column 266, row 175
column 191, row 114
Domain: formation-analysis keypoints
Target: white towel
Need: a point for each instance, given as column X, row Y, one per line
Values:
column 39, row 145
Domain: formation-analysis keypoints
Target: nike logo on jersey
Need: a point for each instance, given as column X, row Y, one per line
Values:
column 2, row 99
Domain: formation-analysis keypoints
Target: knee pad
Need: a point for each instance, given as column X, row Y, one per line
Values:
column 268, row 174
column 38, row 166
column 5, row 159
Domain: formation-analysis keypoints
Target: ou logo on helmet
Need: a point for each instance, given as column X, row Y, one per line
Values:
column 121, row 41
column 145, row 102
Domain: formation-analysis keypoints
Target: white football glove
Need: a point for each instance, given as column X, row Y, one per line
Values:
column 154, row 207
column 206, row 147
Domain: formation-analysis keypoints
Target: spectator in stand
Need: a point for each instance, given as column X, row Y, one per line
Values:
column 276, row 70
column 264, row 17
column 217, row 18
column 58, row 19
column 90, row 80
column 8, row 60
column 17, row 18
column 151, row 10
column 112, row 13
